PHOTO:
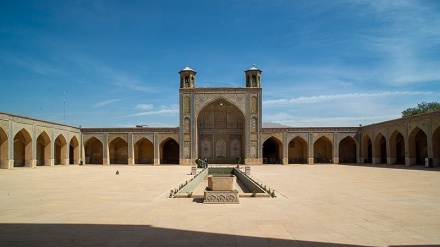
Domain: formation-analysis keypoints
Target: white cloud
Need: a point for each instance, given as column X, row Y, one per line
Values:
column 344, row 121
column 32, row 65
column 320, row 98
column 103, row 103
column 149, row 110
column 156, row 112
column 144, row 107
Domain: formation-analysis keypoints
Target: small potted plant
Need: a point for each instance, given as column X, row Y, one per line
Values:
column 238, row 159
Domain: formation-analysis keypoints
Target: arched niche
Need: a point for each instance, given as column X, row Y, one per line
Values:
column 118, row 151
column 298, row 151
column 60, row 150
column 323, row 150
column 43, row 149
column 93, row 149
column 144, row 151
column 220, row 132
column 169, row 151
column 347, row 150
column 272, row 149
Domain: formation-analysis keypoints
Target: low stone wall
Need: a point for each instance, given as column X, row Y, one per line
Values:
column 248, row 182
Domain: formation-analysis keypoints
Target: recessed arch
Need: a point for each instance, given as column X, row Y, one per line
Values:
column 22, row 149
column 44, row 151
column 347, row 150
column 323, row 150
column 298, row 152
column 436, row 147
column 118, row 151
column 4, row 149
column 380, row 149
column 397, row 148
column 60, row 151
column 272, row 149
column 217, row 100
column 169, row 151
column 93, row 149
column 418, row 147
column 74, row 151
column 367, row 149
column 144, row 151
column 220, row 132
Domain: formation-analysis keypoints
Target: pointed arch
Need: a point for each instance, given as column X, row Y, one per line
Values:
column 220, row 149
column 323, row 150
column 298, row 151
column 272, row 151
column 44, row 151
column 397, row 148
column 380, row 149
column 74, row 151
column 118, row 150
column 169, row 151
column 216, row 101
column 235, row 147
column 22, row 149
column 60, row 151
column 206, row 148
column 418, row 147
column 367, row 149
column 144, row 151
column 93, row 149
column 219, row 123
column 348, row 150
column 4, row 149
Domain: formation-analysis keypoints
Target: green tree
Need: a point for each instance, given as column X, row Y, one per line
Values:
column 421, row 108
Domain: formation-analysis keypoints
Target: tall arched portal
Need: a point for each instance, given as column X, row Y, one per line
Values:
column 347, row 150
column 220, row 128
column 418, row 147
column 380, row 149
column 144, row 151
column 4, row 149
column 60, row 151
column 298, row 151
column 367, row 150
column 93, row 151
column 397, row 148
column 118, row 150
column 169, row 152
column 323, row 150
column 22, row 149
column 43, row 150
column 74, row 151
column 271, row 151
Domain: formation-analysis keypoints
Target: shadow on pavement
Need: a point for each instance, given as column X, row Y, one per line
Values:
column 130, row 235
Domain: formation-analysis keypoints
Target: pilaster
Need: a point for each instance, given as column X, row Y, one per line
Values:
column 156, row 150
column 105, row 150
column 311, row 159
column 131, row 159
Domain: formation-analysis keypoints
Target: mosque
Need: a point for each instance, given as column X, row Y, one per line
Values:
column 224, row 126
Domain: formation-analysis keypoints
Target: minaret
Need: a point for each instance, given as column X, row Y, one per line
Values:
column 253, row 77
column 187, row 78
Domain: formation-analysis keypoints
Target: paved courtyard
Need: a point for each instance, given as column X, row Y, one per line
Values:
column 317, row 205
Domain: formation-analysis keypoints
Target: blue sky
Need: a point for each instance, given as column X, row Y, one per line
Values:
column 116, row 63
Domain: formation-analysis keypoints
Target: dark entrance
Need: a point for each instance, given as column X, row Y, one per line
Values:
column 170, row 152
column 271, row 151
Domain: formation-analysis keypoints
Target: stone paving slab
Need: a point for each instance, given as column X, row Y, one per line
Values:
column 317, row 205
